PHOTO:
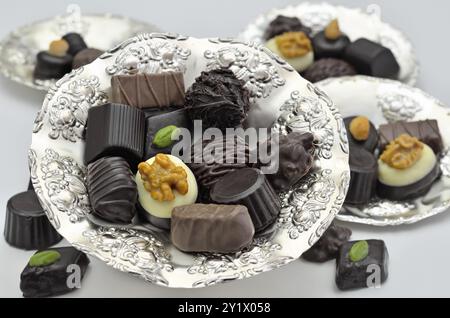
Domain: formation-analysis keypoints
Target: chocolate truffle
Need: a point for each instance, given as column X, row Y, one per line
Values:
column 363, row 176
column 331, row 42
column 295, row 48
column 54, row 63
column 161, row 132
column 295, row 160
column 282, row 24
column 112, row 189
column 359, row 262
column 427, row 131
column 49, row 272
column 148, row 90
column 214, row 159
column 211, row 228
column 407, row 169
column 26, row 225
column 327, row 248
column 328, row 68
column 115, row 130
column 219, row 99
column 85, row 57
column 165, row 182
column 249, row 187
column 361, row 132
column 373, row 59
column 76, row 43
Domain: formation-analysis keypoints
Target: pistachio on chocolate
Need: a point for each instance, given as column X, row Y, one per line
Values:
column 165, row 136
column 44, row 258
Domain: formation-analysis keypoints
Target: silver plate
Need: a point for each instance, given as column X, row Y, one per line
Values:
column 386, row 101
column 58, row 173
column 18, row 50
column 354, row 22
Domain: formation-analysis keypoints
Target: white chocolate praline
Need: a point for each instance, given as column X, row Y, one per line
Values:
column 164, row 209
column 403, row 177
column 300, row 64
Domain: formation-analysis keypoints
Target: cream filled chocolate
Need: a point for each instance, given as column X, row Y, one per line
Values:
column 165, row 182
column 295, row 48
column 406, row 169
column 211, row 228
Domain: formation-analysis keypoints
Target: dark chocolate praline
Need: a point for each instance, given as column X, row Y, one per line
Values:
column 328, row 68
column 372, row 141
column 282, row 24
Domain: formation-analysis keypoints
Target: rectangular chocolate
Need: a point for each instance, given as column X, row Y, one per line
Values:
column 149, row 90
column 115, row 130
column 427, row 131
column 54, row 279
column 153, row 124
column 211, row 228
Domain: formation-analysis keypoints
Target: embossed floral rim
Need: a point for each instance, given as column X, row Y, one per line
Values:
column 58, row 173
column 21, row 72
column 318, row 15
column 397, row 101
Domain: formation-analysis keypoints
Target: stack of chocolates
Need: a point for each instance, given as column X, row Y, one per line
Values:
column 399, row 161
column 329, row 53
column 64, row 55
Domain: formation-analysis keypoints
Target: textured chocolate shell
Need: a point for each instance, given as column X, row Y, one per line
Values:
column 327, row 68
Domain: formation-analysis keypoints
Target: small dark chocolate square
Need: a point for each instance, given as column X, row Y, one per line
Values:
column 362, row 274
column 52, row 280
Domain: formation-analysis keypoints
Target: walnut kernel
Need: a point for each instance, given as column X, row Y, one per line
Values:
column 293, row 44
column 403, row 152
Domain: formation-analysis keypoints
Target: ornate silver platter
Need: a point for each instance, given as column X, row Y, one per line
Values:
column 18, row 50
column 356, row 23
column 383, row 101
column 58, row 173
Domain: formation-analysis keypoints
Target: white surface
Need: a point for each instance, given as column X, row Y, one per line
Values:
column 419, row 254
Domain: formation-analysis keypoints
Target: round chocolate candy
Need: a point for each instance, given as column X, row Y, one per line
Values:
column 371, row 143
column 76, row 43
column 26, row 225
column 49, row 66
column 324, row 46
column 249, row 187
column 85, row 57
column 327, row 68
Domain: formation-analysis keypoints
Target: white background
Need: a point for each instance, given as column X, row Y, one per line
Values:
column 419, row 254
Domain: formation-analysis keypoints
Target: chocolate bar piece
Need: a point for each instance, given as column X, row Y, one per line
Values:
column 149, row 90
column 154, row 124
column 427, row 131
column 358, row 264
column 373, row 59
column 115, row 130
column 76, row 43
column 249, row 187
column 48, row 272
column 26, row 225
column 211, row 228
column 112, row 190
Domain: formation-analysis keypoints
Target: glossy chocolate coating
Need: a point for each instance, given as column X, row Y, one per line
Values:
column 178, row 118
column 324, row 48
column 115, row 130
column 409, row 192
column 208, row 172
column 427, row 131
column 219, row 99
column 363, row 176
column 327, row 248
column 112, row 189
column 211, row 228
column 76, row 43
column 372, row 141
column 249, row 187
column 148, row 90
column 351, row 275
column 26, row 225
column 327, row 68
column 52, row 280
column 282, row 24
column 295, row 160
column 50, row 66
column 85, row 57
column 373, row 59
